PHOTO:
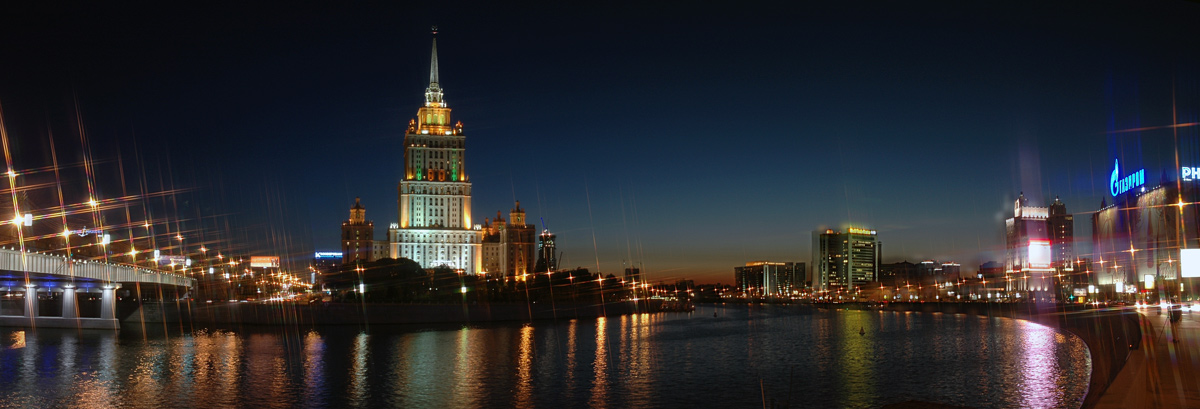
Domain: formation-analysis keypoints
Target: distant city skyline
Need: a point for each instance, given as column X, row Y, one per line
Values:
column 685, row 142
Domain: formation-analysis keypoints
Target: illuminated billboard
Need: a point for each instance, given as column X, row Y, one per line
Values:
column 264, row 261
column 328, row 255
column 168, row 260
column 1148, row 282
column 1039, row 253
column 1189, row 262
column 857, row 230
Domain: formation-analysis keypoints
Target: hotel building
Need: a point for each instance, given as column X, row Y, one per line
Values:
column 434, row 204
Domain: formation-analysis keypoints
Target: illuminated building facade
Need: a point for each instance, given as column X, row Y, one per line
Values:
column 434, row 202
column 845, row 260
column 358, row 236
column 1028, row 255
column 1140, row 235
column 769, row 279
column 508, row 246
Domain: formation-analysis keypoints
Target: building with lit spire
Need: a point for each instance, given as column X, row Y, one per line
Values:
column 434, row 202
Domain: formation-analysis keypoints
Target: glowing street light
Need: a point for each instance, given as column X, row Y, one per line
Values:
column 26, row 220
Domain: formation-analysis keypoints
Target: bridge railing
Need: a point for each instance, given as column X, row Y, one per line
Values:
column 16, row 260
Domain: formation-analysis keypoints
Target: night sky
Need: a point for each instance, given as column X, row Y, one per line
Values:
column 687, row 139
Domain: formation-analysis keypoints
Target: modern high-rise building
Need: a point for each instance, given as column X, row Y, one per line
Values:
column 508, row 246
column 769, row 279
column 547, row 260
column 845, row 260
column 1062, row 235
column 358, row 235
column 434, row 203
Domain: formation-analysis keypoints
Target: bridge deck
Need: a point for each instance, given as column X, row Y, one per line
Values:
column 16, row 266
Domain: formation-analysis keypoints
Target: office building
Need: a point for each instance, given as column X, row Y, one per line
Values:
column 769, row 279
column 845, row 260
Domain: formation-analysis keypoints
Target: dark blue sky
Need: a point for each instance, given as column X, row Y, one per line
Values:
column 706, row 135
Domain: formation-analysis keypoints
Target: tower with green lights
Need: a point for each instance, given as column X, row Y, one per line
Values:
column 434, row 202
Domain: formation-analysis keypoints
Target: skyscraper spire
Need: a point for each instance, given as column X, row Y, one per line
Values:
column 433, row 94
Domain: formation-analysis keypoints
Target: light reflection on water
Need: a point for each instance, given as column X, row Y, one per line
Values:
column 747, row 355
column 600, row 366
column 525, row 367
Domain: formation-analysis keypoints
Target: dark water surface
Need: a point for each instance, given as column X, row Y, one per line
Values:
column 741, row 358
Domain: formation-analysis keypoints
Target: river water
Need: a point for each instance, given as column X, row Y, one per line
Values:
column 745, row 356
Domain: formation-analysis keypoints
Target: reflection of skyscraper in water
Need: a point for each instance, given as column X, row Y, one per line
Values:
column 546, row 258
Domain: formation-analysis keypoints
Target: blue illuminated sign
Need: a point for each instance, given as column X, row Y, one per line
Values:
column 1189, row 173
column 328, row 254
column 1118, row 186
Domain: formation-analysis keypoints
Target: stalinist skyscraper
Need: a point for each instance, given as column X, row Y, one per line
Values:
column 435, row 195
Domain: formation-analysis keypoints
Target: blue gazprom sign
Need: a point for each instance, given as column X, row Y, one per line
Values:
column 1118, row 185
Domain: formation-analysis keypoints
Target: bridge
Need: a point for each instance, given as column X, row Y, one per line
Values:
column 45, row 290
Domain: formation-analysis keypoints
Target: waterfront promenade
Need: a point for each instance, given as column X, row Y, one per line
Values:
column 1162, row 373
